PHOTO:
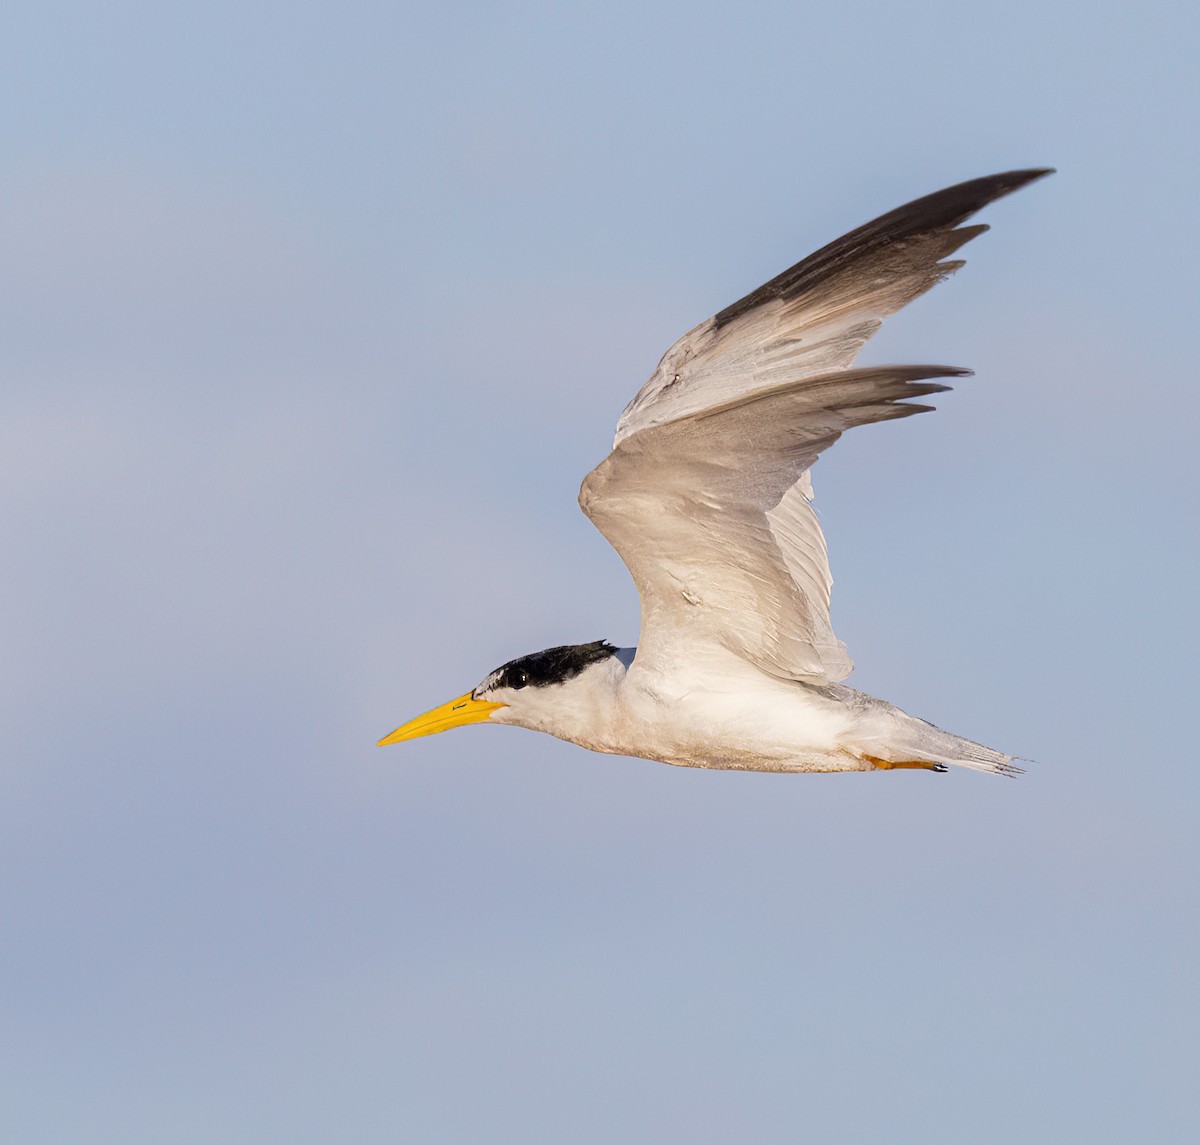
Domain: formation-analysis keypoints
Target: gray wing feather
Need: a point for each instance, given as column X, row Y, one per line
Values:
column 706, row 494
column 816, row 316
column 710, row 515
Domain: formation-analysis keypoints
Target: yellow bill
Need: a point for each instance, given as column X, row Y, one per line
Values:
column 464, row 710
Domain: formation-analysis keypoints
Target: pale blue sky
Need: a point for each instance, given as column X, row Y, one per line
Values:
column 313, row 318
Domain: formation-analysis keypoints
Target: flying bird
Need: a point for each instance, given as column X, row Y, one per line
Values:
column 707, row 497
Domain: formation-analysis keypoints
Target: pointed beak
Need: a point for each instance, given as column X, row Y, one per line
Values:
column 464, row 710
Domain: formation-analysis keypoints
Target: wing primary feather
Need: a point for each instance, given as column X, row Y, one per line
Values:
column 871, row 383
column 941, row 211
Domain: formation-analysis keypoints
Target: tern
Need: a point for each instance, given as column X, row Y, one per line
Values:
column 707, row 497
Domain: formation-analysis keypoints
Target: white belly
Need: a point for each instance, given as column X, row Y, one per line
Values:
column 765, row 725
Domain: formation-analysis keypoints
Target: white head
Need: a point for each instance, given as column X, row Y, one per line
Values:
column 564, row 691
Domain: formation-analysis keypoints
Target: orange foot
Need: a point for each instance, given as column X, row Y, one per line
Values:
column 887, row 765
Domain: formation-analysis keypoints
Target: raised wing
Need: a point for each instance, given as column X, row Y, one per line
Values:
column 816, row 316
column 711, row 515
column 706, row 494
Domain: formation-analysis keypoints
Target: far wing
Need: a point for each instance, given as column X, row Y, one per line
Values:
column 710, row 514
column 816, row 316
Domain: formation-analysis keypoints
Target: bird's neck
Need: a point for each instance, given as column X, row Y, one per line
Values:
column 586, row 710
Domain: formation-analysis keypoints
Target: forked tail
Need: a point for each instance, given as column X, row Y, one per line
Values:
column 929, row 742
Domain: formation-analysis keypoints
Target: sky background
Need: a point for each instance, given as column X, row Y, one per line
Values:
column 312, row 318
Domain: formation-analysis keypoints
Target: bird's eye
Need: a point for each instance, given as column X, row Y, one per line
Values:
column 520, row 678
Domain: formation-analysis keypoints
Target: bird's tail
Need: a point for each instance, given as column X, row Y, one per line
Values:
column 891, row 737
column 929, row 742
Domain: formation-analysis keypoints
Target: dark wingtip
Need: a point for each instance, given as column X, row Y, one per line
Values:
column 1026, row 174
column 1005, row 182
column 952, row 205
column 942, row 211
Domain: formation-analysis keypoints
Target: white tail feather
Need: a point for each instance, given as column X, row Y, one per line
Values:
column 929, row 742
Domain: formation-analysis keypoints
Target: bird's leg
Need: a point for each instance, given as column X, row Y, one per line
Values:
column 888, row 765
